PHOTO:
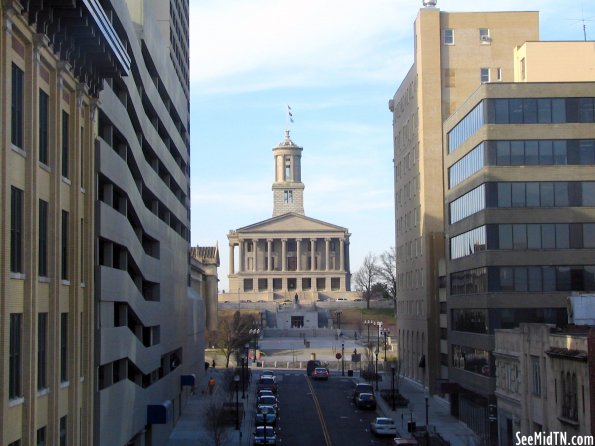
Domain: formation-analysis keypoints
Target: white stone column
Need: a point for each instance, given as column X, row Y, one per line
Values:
column 283, row 253
column 327, row 253
column 312, row 253
column 342, row 254
column 298, row 249
column 269, row 253
column 231, row 258
column 254, row 256
column 241, row 255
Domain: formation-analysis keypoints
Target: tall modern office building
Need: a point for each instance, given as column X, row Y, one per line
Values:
column 148, row 333
column 53, row 58
column 454, row 53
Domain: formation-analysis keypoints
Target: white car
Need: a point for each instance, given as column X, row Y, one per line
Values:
column 383, row 426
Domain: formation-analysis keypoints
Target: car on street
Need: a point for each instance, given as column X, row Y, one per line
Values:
column 362, row 388
column 341, row 299
column 320, row 373
column 264, row 435
column 268, row 373
column 365, row 401
column 405, row 441
column 268, row 383
column 383, row 426
column 267, row 400
column 265, row 416
column 265, row 392
column 311, row 365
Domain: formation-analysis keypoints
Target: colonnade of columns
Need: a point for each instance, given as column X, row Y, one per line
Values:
column 253, row 256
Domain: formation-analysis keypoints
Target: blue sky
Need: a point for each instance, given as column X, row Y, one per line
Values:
column 337, row 63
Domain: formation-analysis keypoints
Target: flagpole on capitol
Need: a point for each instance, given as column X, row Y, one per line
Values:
column 289, row 118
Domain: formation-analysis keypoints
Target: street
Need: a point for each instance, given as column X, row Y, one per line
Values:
column 321, row 413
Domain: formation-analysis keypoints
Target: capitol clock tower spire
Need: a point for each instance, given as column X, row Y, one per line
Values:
column 288, row 189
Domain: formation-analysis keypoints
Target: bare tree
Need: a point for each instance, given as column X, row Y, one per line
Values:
column 387, row 273
column 234, row 333
column 216, row 423
column 365, row 277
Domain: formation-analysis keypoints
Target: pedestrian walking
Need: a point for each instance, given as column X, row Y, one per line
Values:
column 213, row 364
column 211, row 385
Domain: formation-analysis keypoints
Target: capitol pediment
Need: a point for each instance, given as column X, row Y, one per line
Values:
column 291, row 222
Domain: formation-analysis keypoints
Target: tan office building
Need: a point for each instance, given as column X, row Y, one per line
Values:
column 453, row 54
column 289, row 254
column 48, row 128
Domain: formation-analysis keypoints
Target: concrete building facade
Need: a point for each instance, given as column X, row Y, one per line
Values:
column 518, row 170
column 543, row 381
column 204, row 261
column 53, row 59
column 150, row 321
column 289, row 254
column 453, row 54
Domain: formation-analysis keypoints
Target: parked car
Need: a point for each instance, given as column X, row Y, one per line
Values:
column 264, row 435
column 265, row 392
column 359, row 299
column 265, row 415
column 267, row 400
column 365, row 401
column 311, row 365
column 320, row 373
column 362, row 388
column 341, row 299
column 267, row 373
column 405, row 441
column 383, row 426
column 268, row 383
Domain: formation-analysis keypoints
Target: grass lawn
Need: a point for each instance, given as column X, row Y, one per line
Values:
column 356, row 315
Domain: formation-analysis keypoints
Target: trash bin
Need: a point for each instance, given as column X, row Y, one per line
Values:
column 349, row 372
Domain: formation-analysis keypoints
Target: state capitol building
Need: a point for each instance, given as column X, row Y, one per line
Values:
column 289, row 254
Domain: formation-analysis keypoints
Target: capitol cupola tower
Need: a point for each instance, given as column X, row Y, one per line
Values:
column 288, row 189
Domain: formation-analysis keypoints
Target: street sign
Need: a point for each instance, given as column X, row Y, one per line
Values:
column 356, row 357
column 338, row 356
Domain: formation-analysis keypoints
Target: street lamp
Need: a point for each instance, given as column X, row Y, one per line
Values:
column 386, row 334
column 342, row 359
column 254, row 332
column 379, row 325
column 392, row 387
column 236, row 380
column 368, row 323
column 243, row 383
column 338, row 314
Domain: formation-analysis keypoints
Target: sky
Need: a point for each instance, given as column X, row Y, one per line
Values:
column 336, row 63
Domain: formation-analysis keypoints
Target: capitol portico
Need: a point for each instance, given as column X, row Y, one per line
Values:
column 289, row 253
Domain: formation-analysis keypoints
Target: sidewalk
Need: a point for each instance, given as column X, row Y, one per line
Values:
column 449, row 427
column 191, row 430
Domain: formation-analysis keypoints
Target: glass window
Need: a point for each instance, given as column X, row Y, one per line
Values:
column 563, row 278
column 516, row 111
column 16, row 230
column 506, row 279
column 43, row 239
column 586, row 110
column 547, row 194
column 587, row 152
column 503, row 153
column 449, row 36
column 561, row 194
column 588, row 193
column 534, row 236
column 64, row 250
column 484, row 75
column 534, row 278
column 42, row 327
column 558, row 111
column 519, row 236
column 544, row 111
column 504, row 195
column 562, row 236
column 589, row 277
column 15, row 366
column 44, row 110
column 589, row 235
column 548, row 236
column 531, row 153
column 501, row 106
column 546, row 152
column 532, row 192
column 484, row 35
column 518, row 195
column 517, row 153
column 65, row 145
column 530, row 111
column 17, row 99
column 549, row 278
column 560, row 155
column 505, row 236
column 520, row 278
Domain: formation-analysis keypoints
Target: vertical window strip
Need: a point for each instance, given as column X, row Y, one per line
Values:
column 466, row 166
column 42, row 323
column 16, row 230
column 64, row 263
column 64, row 347
column 16, row 134
column 43, row 239
column 65, row 145
column 43, row 127
column 466, row 127
column 15, row 359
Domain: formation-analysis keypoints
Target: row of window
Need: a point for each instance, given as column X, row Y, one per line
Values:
column 484, row 321
column 522, row 111
column 41, row 435
column 15, row 355
column 519, row 194
column 484, row 36
column 17, row 240
column 523, row 279
column 522, row 153
column 18, row 122
column 306, row 282
column 523, row 236
column 473, row 360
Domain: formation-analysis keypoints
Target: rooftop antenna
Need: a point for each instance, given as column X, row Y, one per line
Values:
column 583, row 20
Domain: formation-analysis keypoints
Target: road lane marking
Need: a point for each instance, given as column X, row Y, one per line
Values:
column 325, row 433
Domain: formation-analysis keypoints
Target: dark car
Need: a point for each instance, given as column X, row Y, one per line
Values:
column 265, row 416
column 320, row 373
column 362, row 388
column 268, row 383
column 268, row 400
column 312, row 364
column 365, row 401
column 264, row 435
